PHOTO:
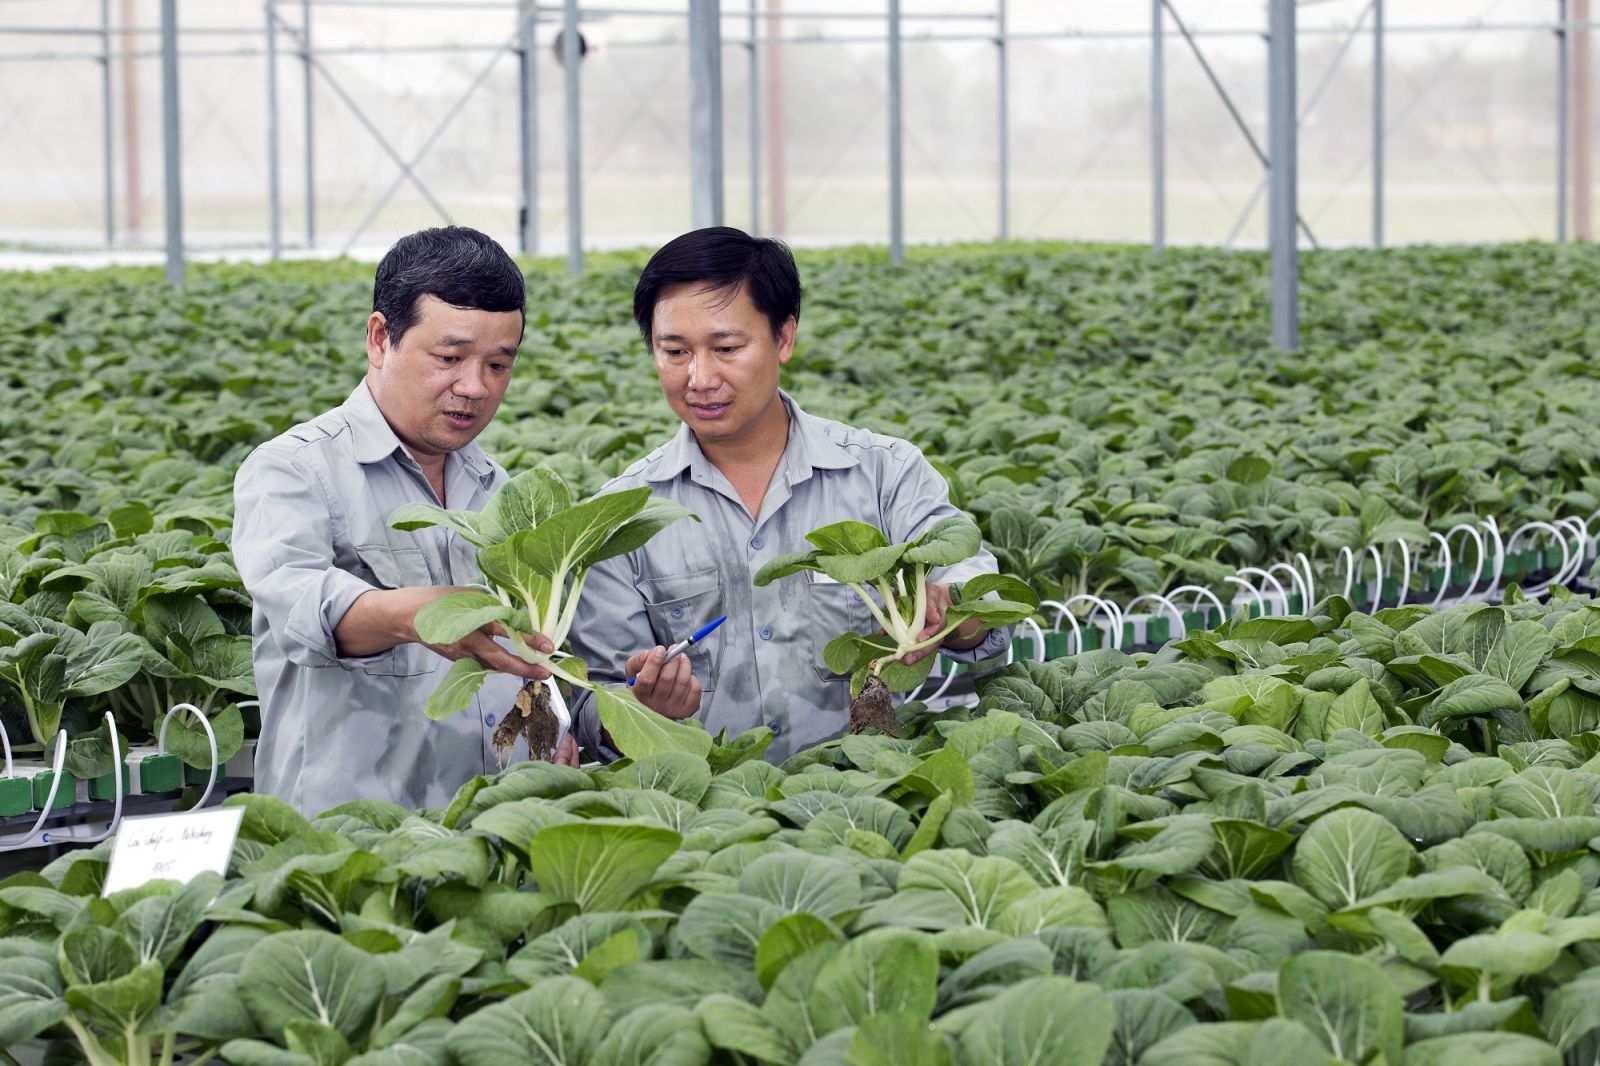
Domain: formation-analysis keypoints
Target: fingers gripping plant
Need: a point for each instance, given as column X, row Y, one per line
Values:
column 535, row 548
column 892, row 579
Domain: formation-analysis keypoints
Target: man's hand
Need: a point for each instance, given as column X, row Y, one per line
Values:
column 480, row 645
column 671, row 690
column 566, row 753
column 967, row 635
column 383, row 618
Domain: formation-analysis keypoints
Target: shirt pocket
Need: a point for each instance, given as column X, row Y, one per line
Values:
column 388, row 567
column 832, row 610
column 679, row 604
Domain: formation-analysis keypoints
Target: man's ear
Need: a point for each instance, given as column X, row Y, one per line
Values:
column 786, row 339
column 377, row 339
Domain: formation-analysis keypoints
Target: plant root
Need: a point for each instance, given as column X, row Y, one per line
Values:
column 872, row 711
column 531, row 719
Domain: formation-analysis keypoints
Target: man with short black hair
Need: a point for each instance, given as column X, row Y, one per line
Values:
column 719, row 310
column 341, row 673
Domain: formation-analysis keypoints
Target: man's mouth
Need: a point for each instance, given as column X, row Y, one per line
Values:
column 708, row 410
column 461, row 419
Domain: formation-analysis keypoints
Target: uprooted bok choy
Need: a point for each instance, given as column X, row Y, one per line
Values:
column 535, row 548
column 892, row 579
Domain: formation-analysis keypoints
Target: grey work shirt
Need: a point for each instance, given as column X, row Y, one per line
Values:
column 763, row 666
column 311, row 533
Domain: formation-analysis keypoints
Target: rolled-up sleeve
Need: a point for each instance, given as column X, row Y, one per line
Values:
column 283, row 548
column 611, row 624
column 917, row 500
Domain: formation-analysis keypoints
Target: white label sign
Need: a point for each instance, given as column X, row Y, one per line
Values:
column 172, row 847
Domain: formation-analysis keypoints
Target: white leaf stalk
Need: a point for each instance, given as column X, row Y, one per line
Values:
column 897, row 622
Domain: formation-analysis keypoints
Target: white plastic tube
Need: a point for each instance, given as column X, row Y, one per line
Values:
column 211, row 739
column 50, row 800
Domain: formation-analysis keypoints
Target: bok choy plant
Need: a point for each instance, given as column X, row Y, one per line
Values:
column 535, row 548
column 892, row 579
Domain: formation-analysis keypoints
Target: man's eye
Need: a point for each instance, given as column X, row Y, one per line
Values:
column 448, row 360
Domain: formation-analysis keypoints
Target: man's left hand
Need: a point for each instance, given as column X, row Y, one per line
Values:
column 968, row 635
column 566, row 753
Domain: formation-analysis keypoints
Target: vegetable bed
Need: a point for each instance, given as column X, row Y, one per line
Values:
column 1342, row 837
column 1116, row 422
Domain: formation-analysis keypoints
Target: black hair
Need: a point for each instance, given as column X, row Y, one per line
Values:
column 723, row 258
column 460, row 266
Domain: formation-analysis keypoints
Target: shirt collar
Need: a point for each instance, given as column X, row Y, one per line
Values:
column 809, row 448
column 375, row 440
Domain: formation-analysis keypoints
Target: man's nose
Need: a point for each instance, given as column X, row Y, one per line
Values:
column 472, row 381
column 703, row 374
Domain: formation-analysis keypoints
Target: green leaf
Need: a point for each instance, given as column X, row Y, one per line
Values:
column 1356, row 709
column 311, row 975
column 1473, row 696
column 412, row 516
column 847, row 538
column 799, row 882
column 1349, row 854
column 455, row 692
column 598, row 864
column 557, row 1022
column 894, row 1039
column 952, row 541
column 858, row 569
column 882, row 971
column 1482, row 1049
column 31, row 999
column 451, row 617
column 656, row 515
column 784, row 566
column 790, row 936
column 638, row 731
column 1518, row 653
column 1346, row 1001
column 1043, row 1021
column 656, row 1034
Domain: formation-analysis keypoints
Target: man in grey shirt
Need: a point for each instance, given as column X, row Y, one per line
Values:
column 719, row 310
column 341, row 674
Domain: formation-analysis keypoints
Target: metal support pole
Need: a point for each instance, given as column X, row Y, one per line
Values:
column 1563, row 119
column 897, row 236
column 1582, row 123
column 777, row 171
column 570, row 58
column 311, row 139
column 1158, row 126
column 705, row 113
column 1227, row 101
column 753, row 92
column 169, row 140
column 133, row 165
column 1003, row 119
column 1281, row 208
column 109, row 191
column 274, row 179
column 528, row 102
column 1377, row 123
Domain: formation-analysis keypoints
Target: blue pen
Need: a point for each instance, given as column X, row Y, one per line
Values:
column 684, row 645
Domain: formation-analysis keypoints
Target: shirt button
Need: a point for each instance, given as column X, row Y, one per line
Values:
column 677, row 612
column 766, row 632
column 488, row 719
column 776, row 727
column 757, row 543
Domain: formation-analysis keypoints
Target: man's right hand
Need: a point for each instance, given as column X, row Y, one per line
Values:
column 669, row 689
column 383, row 618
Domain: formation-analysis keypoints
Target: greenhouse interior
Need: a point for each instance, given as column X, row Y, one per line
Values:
column 799, row 532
